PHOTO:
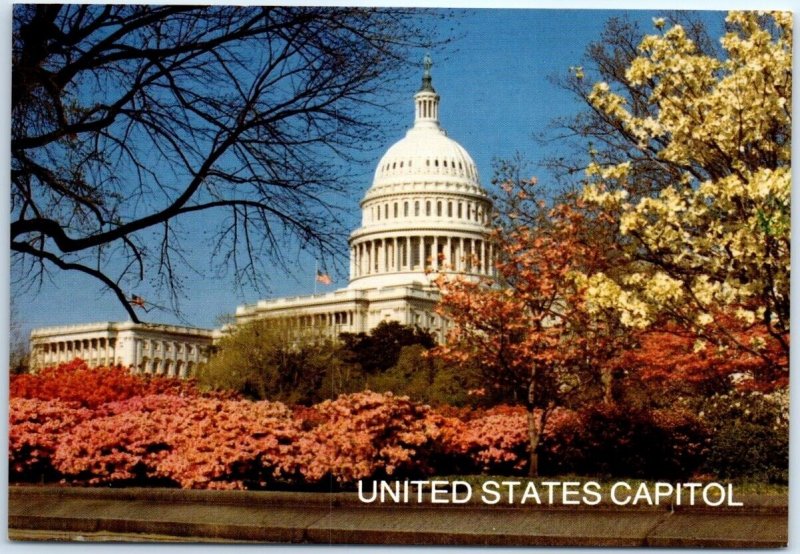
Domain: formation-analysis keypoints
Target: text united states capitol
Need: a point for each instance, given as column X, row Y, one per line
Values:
column 564, row 493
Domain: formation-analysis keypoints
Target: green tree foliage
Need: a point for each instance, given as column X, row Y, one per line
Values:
column 426, row 379
column 269, row 360
column 380, row 349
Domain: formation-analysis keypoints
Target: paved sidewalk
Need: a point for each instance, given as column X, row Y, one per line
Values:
column 136, row 515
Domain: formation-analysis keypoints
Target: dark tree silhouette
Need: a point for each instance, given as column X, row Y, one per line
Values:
column 380, row 349
column 126, row 120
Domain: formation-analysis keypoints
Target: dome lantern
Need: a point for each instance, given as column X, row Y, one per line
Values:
column 426, row 99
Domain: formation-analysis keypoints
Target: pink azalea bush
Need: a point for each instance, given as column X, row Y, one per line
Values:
column 196, row 443
column 108, row 427
column 367, row 434
column 36, row 427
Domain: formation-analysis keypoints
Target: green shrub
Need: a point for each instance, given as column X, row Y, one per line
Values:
column 424, row 379
column 269, row 360
column 750, row 435
column 380, row 349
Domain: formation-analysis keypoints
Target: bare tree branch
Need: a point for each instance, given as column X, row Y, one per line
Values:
column 125, row 119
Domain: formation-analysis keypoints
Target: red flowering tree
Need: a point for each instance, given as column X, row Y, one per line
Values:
column 527, row 331
column 677, row 357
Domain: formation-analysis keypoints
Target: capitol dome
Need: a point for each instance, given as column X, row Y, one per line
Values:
column 425, row 153
column 425, row 211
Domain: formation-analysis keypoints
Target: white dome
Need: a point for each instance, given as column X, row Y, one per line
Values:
column 425, row 211
column 425, row 154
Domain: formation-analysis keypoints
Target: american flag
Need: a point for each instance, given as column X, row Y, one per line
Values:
column 323, row 278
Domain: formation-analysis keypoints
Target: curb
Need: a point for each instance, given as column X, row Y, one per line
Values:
column 174, row 515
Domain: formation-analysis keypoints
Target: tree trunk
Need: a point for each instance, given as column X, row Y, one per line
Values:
column 533, row 439
column 533, row 427
column 607, row 378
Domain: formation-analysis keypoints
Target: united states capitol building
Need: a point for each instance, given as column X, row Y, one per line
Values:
column 425, row 213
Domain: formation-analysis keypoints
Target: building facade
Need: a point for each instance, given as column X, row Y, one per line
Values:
column 144, row 347
column 425, row 213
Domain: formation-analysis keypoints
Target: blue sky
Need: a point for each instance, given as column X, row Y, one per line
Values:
column 496, row 95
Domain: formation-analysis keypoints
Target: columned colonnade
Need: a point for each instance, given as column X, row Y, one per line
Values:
column 144, row 348
column 416, row 253
column 164, row 357
column 153, row 356
column 331, row 323
column 95, row 351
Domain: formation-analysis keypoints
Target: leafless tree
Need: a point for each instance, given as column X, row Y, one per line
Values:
column 128, row 121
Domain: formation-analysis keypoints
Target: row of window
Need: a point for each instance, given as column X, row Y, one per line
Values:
column 401, row 165
column 94, row 344
column 339, row 318
column 167, row 347
column 472, row 212
column 166, row 367
column 432, row 322
column 422, row 320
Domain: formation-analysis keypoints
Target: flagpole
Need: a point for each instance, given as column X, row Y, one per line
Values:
column 316, row 272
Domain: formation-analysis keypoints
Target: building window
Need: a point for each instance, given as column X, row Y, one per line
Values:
column 439, row 209
column 405, row 209
column 428, row 208
column 459, row 210
column 449, row 209
column 395, row 209
column 386, row 211
column 416, row 208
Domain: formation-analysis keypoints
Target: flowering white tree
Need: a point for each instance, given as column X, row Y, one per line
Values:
column 716, row 238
